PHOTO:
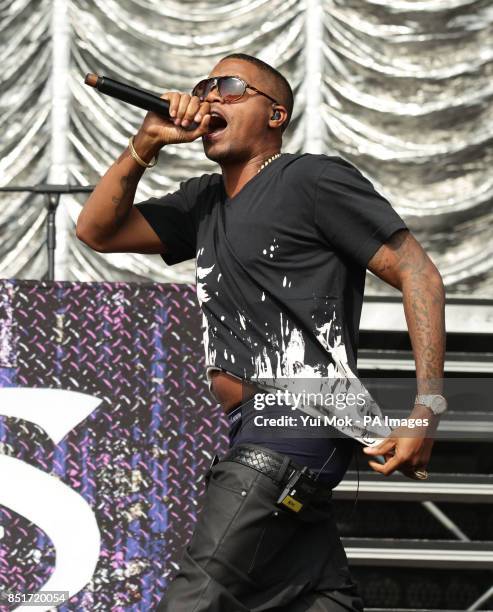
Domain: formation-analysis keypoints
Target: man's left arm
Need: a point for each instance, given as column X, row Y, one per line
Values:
column 404, row 264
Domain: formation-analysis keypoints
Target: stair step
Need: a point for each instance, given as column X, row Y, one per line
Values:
column 410, row 610
column 466, row 488
column 419, row 553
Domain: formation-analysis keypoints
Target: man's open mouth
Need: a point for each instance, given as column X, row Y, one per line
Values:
column 217, row 125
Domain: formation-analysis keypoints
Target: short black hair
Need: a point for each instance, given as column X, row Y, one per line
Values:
column 281, row 88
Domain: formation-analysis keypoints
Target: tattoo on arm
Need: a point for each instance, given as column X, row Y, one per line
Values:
column 388, row 262
column 128, row 185
column 403, row 263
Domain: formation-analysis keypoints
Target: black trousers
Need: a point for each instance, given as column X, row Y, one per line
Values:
column 248, row 555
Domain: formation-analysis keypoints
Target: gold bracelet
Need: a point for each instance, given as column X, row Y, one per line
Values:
column 138, row 159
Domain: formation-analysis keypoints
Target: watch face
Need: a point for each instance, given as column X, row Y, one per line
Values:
column 438, row 404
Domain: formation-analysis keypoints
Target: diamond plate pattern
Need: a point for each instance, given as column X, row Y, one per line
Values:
column 139, row 458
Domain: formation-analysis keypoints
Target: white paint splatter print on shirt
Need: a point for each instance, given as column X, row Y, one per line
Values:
column 203, row 296
column 280, row 266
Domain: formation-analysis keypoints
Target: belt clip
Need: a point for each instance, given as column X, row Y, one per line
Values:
column 298, row 492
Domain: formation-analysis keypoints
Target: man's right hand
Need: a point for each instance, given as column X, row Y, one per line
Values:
column 184, row 110
column 109, row 222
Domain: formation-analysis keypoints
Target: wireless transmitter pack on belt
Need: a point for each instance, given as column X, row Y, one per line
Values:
column 298, row 492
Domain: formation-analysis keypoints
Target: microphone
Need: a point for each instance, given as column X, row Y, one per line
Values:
column 134, row 96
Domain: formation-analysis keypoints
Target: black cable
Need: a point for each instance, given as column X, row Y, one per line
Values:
column 357, row 489
column 326, row 461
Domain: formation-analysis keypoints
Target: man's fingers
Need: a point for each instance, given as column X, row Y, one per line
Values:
column 182, row 108
column 192, row 110
column 403, row 453
column 380, row 449
column 204, row 109
column 173, row 98
column 387, row 468
column 200, row 130
column 204, row 125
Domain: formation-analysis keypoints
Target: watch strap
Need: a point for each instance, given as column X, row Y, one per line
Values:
column 427, row 400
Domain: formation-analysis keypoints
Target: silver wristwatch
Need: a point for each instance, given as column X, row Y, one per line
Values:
column 436, row 403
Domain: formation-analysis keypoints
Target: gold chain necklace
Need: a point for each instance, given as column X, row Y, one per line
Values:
column 267, row 161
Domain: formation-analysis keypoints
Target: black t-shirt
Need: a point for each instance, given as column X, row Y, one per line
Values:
column 280, row 267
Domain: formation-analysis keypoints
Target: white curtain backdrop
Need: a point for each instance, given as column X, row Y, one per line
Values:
column 401, row 88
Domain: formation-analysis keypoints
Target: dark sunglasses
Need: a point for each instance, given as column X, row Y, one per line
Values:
column 230, row 88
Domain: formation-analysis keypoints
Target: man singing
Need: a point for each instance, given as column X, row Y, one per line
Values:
column 282, row 243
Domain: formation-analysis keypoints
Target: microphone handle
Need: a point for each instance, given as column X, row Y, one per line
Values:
column 134, row 96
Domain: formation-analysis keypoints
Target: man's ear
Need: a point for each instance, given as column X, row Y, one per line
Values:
column 278, row 117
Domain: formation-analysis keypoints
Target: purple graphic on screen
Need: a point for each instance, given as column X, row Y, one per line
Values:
column 139, row 458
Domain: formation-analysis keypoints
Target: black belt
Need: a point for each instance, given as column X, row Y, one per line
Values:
column 276, row 466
